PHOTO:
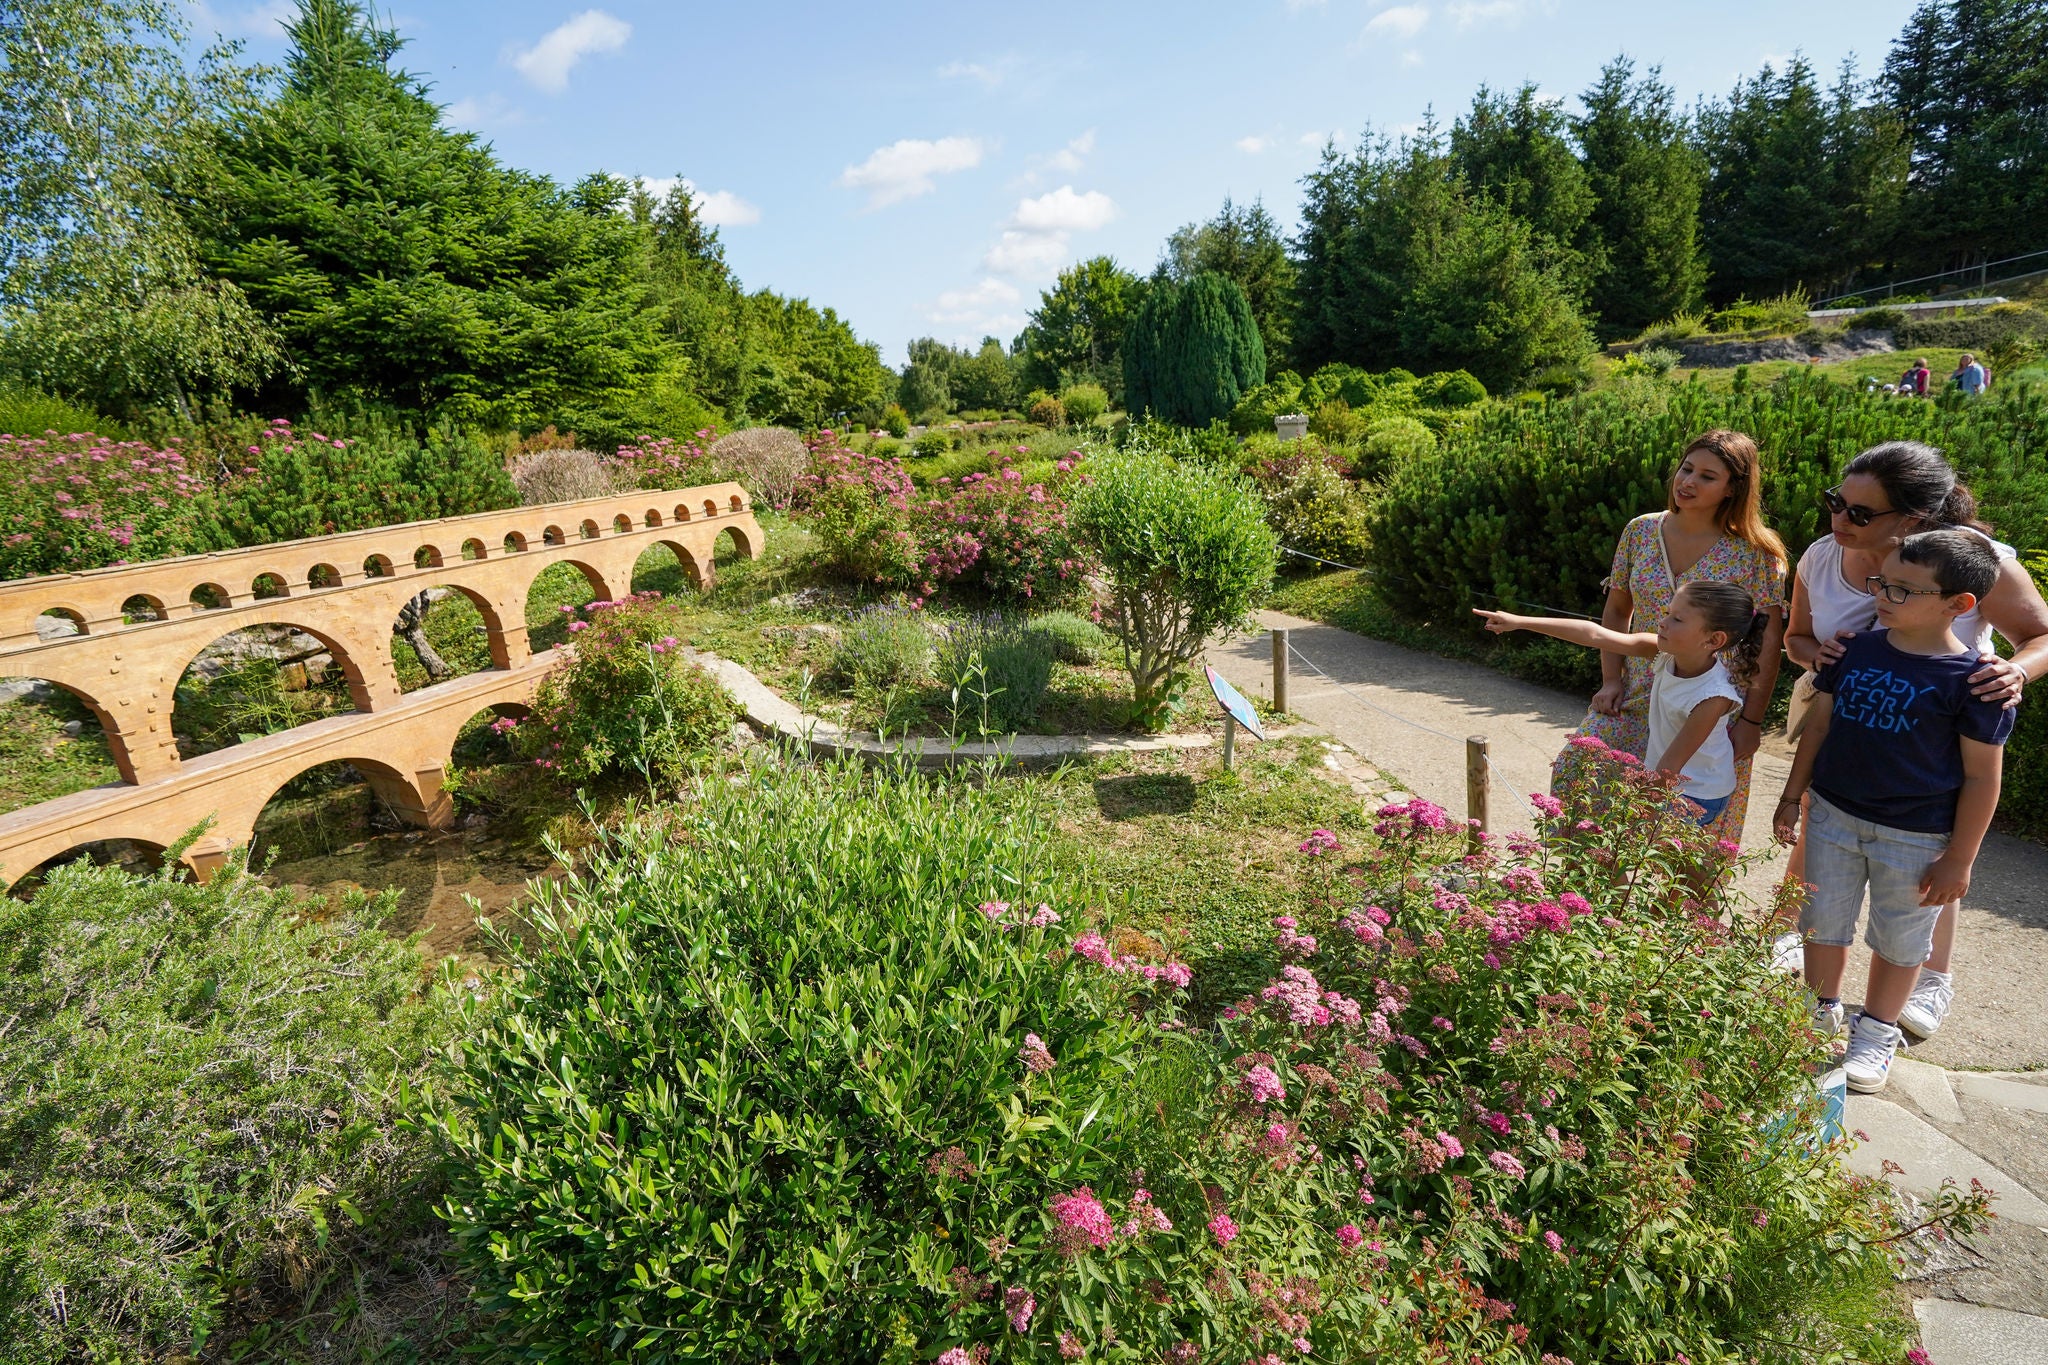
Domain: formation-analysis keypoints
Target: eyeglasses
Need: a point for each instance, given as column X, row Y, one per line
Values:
column 1897, row 593
column 1858, row 514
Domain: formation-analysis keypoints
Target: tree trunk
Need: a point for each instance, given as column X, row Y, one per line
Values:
column 412, row 628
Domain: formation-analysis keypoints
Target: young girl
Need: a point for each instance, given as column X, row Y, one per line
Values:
column 1693, row 692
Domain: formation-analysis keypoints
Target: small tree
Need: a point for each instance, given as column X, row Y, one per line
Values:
column 1192, row 351
column 1187, row 552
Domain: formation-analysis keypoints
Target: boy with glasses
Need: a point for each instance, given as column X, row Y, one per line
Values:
column 1904, row 769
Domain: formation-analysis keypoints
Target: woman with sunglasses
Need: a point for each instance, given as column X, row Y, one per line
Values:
column 1887, row 493
column 1711, row 530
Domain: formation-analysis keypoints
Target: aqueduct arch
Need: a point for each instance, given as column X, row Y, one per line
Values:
column 127, row 672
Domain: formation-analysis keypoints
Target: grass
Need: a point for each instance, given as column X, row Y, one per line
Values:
column 39, row 762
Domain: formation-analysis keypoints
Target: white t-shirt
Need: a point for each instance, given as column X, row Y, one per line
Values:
column 1837, row 606
column 1710, row 772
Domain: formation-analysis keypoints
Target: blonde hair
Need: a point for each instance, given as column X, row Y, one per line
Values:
column 1741, row 513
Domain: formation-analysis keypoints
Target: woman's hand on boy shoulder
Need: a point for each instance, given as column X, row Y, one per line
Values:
column 1999, row 680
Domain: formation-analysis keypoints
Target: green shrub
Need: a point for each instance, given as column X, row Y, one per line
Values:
column 26, row 412
column 1335, row 421
column 1975, row 331
column 1192, row 351
column 200, row 1105
column 997, row 669
column 1784, row 314
column 1656, row 361
column 1450, row 389
column 931, row 444
column 1075, row 638
column 1085, row 403
column 1878, row 320
column 1562, row 381
column 1317, row 512
column 884, row 646
column 762, row 1085
column 858, row 506
column 629, row 702
column 1187, row 553
column 1048, row 412
column 1684, row 327
column 896, row 421
column 1277, row 397
column 1391, row 441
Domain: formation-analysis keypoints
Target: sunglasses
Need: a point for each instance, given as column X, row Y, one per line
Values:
column 1858, row 514
column 1897, row 593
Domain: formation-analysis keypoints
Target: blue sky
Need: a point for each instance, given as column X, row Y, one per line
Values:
column 927, row 168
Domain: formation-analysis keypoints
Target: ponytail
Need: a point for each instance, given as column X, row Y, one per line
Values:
column 1920, row 483
column 1729, row 609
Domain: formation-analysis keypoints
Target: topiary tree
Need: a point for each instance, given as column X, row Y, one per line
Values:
column 1187, row 552
column 1192, row 352
column 1084, row 403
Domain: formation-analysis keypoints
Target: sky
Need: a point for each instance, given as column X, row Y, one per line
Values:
column 927, row 169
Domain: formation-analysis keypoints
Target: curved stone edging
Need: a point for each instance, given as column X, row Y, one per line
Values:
column 770, row 711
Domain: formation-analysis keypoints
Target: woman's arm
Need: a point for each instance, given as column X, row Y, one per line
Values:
column 1800, row 646
column 1699, row 723
column 1585, row 633
column 1615, row 615
column 2015, row 610
column 1785, row 819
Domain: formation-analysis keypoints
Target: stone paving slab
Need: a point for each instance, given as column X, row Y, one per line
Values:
column 2011, row 1092
column 1964, row 1334
column 1928, row 1087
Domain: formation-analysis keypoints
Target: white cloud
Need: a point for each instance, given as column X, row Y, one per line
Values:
column 1063, row 210
column 1254, row 144
column 990, row 74
column 547, row 63
column 719, row 208
column 481, row 113
column 1026, row 253
column 904, row 170
column 1466, row 13
column 983, row 310
column 1070, row 157
column 1411, row 59
column 263, row 21
column 1403, row 21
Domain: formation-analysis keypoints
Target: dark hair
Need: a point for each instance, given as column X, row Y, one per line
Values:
column 1959, row 561
column 1920, row 483
column 1730, row 609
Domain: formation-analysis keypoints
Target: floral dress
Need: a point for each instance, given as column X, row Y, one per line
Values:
column 1641, row 566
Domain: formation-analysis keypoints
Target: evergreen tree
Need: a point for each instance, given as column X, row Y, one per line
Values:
column 1645, row 181
column 985, row 380
column 1489, row 297
column 1241, row 244
column 1968, row 80
column 1076, row 334
column 1515, row 152
column 1192, row 351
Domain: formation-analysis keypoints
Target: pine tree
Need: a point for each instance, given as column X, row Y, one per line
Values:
column 1241, row 244
column 1192, row 351
column 1645, row 180
column 1514, row 152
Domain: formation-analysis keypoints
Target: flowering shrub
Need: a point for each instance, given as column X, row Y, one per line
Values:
column 859, row 509
column 79, row 501
column 629, row 701
column 664, row 462
column 803, row 1076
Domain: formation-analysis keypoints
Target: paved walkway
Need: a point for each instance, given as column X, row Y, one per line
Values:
column 1972, row 1102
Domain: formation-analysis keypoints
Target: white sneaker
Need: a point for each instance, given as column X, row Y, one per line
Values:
column 1788, row 953
column 1869, row 1062
column 1927, row 1006
column 1827, row 1019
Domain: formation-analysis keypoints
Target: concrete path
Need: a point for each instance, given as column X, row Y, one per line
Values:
column 1972, row 1103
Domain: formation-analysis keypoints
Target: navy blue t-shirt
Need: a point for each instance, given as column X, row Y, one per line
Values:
column 1892, row 754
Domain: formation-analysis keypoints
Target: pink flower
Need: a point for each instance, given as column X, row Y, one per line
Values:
column 1452, row 1147
column 1071, row 1347
column 1319, row 842
column 1263, row 1084
column 1506, row 1164
column 1082, row 1212
column 1349, row 1237
column 1037, row 1058
column 1223, row 1229
column 1554, row 1242
column 993, row 910
column 1146, row 1216
column 955, row 1356
column 1091, row 946
column 1547, row 805
column 1018, row 1306
column 1043, row 916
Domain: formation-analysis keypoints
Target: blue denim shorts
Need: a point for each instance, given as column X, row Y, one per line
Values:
column 1844, row 855
column 1711, row 807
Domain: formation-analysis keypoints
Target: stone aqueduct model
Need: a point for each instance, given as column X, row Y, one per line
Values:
column 345, row 591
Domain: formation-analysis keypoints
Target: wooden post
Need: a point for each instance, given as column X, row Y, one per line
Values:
column 1229, row 739
column 1476, row 787
column 1280, row 671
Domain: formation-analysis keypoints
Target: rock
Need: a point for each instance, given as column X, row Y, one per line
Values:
column 74, row 728
column 34, row 689
column 52, row 627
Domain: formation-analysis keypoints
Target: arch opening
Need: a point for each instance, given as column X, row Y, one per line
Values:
column 737, row 504
column 210, row 597
column 514, row 542
column 486, row 738
column 473, row 550
column 53, row 741
column 377, row 566
column 139, row 856
column 731, row 544
column 666, row 567
column 142, row 608
column 590, row 531
column 622, row 523
column 316, row 813
column 710, row 508
column 426, row 557
column 555, row 598
column 682, row 511
column 323, row 576
column 60, row 623
column 262, row 680
column 269, row 585
column 653, row 517
column 553, row 536
column 445, row 632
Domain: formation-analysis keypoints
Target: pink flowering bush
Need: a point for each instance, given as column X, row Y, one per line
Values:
column 665, row 462
column 79, row 501
column 628, row 702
